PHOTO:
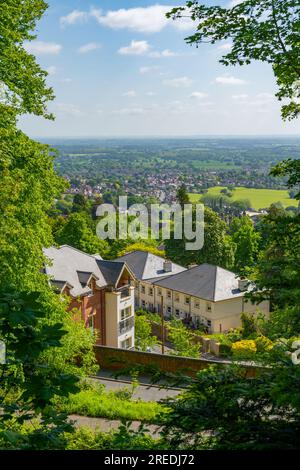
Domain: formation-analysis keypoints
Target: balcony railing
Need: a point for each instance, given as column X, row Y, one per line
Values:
column 125, row 292
column 126, row 325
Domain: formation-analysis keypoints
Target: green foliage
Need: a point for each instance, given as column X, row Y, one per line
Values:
column 78, row 233
column 264, row 30
column 263, row 344
column 249, row 325
column 76, row 354
column 28, row 381
column 94, row 401
column 125, row 438
column 22, row 79
column 224, row 409
column 218, row 247
column 143, row 334
column 182, row 340
column 247, row 242
column 143, row 246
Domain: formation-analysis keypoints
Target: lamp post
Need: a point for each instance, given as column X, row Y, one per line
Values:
column 162, row 326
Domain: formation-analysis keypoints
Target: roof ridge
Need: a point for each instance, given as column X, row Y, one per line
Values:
column 147, row 255
column 215, row 283
column 75, row 249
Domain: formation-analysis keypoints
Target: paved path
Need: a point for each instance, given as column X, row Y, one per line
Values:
column 106, row 425
column 144, row 392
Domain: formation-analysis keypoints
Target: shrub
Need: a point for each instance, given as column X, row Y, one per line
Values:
column 225, row 350
column 263, row 344
column 244, row 348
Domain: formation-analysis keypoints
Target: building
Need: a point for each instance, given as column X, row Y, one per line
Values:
column 147, row 269
column 201, row 295
column 101, row 290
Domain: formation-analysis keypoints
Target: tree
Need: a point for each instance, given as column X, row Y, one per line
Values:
column 247, row 241
column 142, row 245
column 224, row 409
column 143, row 334
column 78, row 233
column 28, row 382
column 182, row 340
column 264, row 30
column 182, row 195
column 218, row 247
column 79, row 203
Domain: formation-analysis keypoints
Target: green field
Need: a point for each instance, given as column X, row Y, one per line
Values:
column 259, row 198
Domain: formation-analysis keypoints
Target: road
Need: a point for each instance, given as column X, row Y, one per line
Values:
column 145, row 391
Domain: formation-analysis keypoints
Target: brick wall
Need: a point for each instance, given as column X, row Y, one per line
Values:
column 117, row 359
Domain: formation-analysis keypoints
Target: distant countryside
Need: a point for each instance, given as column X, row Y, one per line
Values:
column 259, row 198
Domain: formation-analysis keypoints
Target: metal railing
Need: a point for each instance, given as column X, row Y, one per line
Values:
column 125, row 292
column 126, row 325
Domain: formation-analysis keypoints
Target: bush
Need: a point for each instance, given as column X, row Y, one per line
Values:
column 225, row 350
column 124, row 438
column 244, row 348
column 263, row 344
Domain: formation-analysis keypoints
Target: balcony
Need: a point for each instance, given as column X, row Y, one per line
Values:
column 125, row 292
column 126, row 325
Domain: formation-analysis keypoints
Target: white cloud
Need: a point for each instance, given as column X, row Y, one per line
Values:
column 129, row 111
column 129, row 94
column 74, row 17
column 151, row 19
column 42, row 48
column 233, row 3
column 162, row 54
column 69, row 110
column 150, row 93
column 241, row 97
column 51, row 70
column 230, row 80
column 227, row 46
column 135, row 48
column 198, row 95
column 181, row 82
column 91, row 46
column 66, row 80
column 148, row 69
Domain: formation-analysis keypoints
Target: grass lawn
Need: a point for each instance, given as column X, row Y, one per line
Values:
column 260, row 198
column 96, row 402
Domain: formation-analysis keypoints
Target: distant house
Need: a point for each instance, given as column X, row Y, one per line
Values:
column 101, row 290
column 201, row 295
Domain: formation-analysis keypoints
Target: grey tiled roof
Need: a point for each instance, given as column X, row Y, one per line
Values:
column 146, row 266
column 111, row 270
column 72, row 266
column 205, row 281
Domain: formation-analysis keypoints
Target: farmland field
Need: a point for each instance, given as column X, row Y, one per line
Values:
column 259, row 198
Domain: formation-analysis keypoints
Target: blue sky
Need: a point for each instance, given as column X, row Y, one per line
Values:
column 119, row 68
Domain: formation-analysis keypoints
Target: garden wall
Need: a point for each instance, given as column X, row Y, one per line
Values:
column 117, row 359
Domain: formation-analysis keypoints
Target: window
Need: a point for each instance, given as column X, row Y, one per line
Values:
column 91, row 322
column 150, row 291
column 177, row 313
column 197, row 304
column 159, row 292
column 177, row 298
column 168, row 294
column 169, row 310
column 127, row 343
column 208, row 306
column 143, row 303
column 187, row 300
column 126, row 313
column 209, row 323
column 143, row 289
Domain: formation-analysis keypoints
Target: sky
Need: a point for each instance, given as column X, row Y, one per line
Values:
column 120, row 68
